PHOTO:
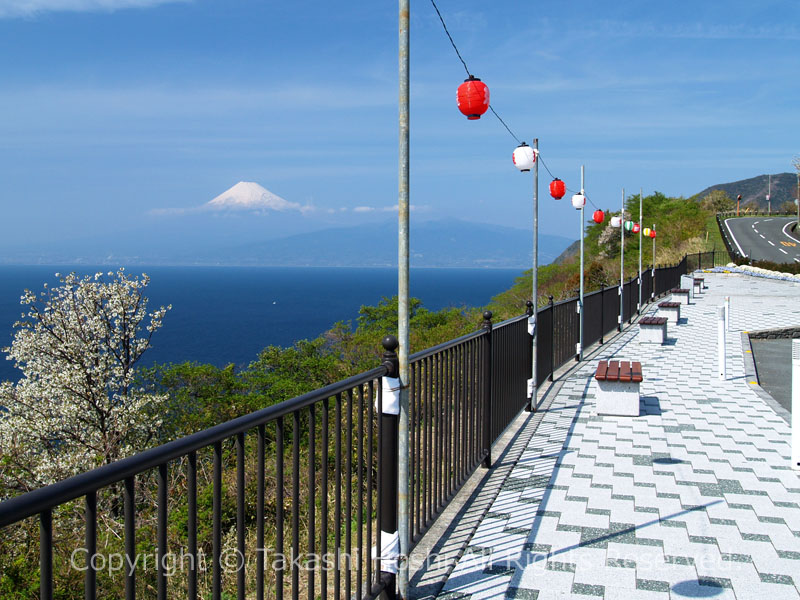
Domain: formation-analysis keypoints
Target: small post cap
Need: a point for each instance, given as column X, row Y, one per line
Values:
column 390, row 343
column 487, row 315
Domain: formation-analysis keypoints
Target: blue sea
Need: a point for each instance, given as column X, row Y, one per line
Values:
column 223, row 315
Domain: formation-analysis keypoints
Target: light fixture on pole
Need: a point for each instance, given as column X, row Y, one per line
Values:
column 524, row 158
column 622, row 261
column 638, row 229
column 769, row 195
column 579, row 203
column 403, row 505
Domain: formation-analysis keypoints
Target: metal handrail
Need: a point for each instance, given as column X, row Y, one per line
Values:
column 34, row 502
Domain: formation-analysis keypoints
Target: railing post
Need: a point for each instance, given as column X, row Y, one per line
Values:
column 602, row 312
column 389, row 541
column 532, row 324
column 552, row 334
column 487, row 391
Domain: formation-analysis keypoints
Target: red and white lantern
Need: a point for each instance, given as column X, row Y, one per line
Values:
column 616, row 221
column 598, row 216
column 557, row 189
column 578, row 201
column 652, row 233
column 636, row 228
column 524, row 157
column 473, row 98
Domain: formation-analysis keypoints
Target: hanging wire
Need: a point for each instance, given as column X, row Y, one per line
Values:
column 568, row 189
column 451, row 39
column 504, row 124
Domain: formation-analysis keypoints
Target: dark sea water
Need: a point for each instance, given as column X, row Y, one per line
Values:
column 223, row 315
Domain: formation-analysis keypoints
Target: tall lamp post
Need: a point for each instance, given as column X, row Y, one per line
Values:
column 579, row 202
column 639, row 305
column 402, row 301
column 525, row 159
column 622, row 260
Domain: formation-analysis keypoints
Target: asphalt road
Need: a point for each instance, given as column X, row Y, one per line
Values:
column 765, row 238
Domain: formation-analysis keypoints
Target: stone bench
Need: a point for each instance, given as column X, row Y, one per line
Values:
column 670, row 310
column 680, row 295
column 618, row 388
column 653, row 329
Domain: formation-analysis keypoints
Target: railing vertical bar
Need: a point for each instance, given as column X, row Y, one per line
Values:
column 295, row 504
column 161, row 574
column 370, row 465
column 337, row 508
column 448, row 424
column 379, row 525
column 348, row 578
column 216, row 534
column 191, row 525
column 360, row 500
column 326, row 409
column 130, row 538
column 429, row 439
column 240, row 532
column 312, row 480
column 90, row 577
column 260, row 487
column 412, row 448
column 46, row 555
column 280, row 567
column 440, row 433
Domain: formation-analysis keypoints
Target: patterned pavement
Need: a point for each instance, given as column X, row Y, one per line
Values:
column 694, row 498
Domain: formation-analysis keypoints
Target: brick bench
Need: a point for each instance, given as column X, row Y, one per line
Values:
column 670, row 310
column 618, row 388
column 680, row 295
column 653, row 329
column 699, row 284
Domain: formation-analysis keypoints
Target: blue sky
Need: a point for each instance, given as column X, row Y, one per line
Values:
column 115, row 109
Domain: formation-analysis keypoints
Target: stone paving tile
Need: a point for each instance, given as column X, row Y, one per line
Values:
column 693, row 498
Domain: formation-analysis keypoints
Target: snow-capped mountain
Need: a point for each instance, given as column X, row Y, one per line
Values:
column 248, row 195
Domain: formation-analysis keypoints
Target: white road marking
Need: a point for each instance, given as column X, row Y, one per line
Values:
column 770, row 243
column 782, row 250
column 786, row 233
column 762, row 237
column 797, row 260
column 735, row 241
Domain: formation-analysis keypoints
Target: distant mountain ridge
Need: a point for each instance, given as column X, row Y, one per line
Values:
column 443, row 243
column 784, row 189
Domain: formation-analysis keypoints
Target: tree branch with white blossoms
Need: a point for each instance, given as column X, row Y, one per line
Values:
column 76, row 406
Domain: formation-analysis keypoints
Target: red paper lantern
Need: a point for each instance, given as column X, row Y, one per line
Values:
column 598, row 216
column 557, row 189
column 636, row 228
column 652, row 233
column 473, row 98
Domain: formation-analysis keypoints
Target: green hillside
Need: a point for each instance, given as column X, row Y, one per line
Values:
column 754, row 190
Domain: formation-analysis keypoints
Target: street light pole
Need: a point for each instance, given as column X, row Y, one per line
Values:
column 535, row 273
column 639, row 306
column 580, row 300
column 621, row 259
column 402, row 297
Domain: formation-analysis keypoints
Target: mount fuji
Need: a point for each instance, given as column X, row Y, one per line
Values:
column 250, row 196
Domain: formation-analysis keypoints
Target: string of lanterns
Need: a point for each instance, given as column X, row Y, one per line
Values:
column 473, row 100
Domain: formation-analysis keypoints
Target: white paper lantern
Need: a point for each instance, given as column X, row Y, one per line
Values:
column 523, row 157
column 578, row 201
column 616, row 221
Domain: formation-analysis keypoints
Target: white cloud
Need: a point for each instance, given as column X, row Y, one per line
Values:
column 364, row 209
column 27, row 8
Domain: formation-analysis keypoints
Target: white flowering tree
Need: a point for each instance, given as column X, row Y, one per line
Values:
column 77, row 406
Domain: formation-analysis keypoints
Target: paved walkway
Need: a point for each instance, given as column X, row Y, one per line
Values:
column 693, row 499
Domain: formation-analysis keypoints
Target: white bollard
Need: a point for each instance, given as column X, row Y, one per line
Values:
column 796, row 403
column 721, row 341
column 727, row 313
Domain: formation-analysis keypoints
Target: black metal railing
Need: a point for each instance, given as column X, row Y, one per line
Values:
column 298, row 491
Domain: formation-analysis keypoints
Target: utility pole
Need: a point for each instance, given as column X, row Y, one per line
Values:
column 621, row 259
column 580, row 301
column 535, row 273
column 769, row 194
column 402, row 302
column 639, row 306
